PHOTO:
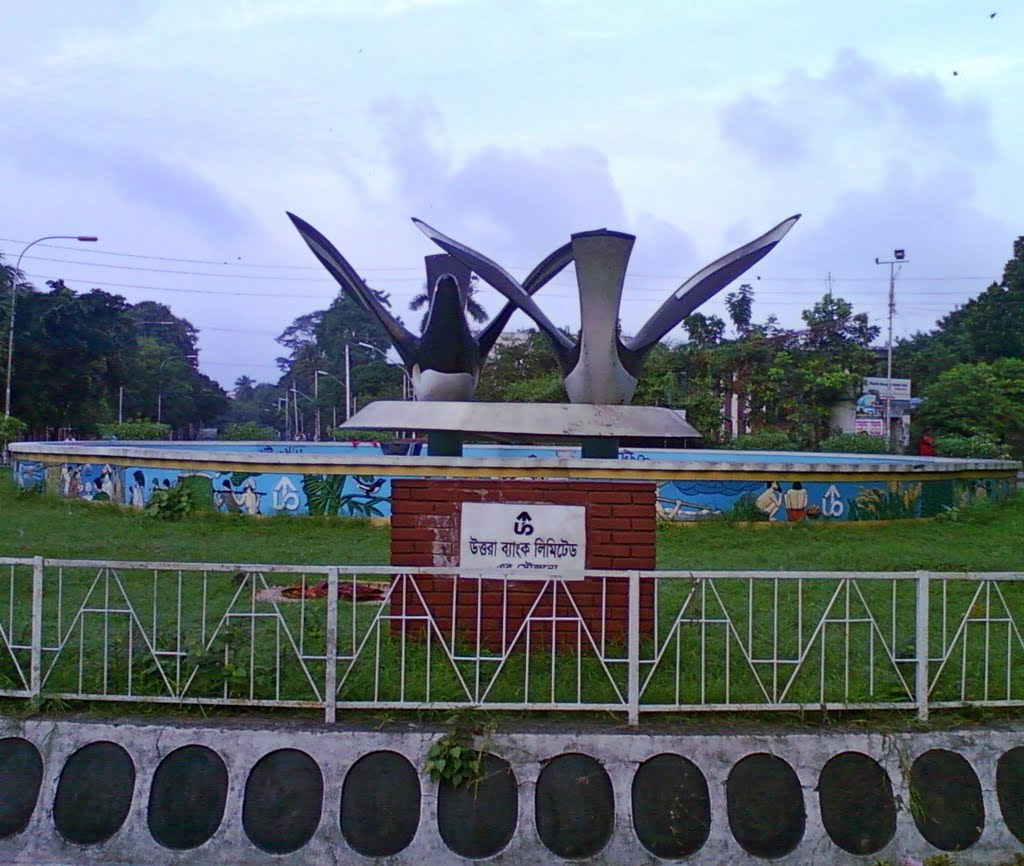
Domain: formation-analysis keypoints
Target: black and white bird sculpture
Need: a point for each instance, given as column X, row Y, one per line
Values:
column 600, row 367
column 444, row 361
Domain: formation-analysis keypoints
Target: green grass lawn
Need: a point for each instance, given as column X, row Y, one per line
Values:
column 251, row 657
column 987, row 538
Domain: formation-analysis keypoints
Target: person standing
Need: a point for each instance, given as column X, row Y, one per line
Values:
column 795, row 500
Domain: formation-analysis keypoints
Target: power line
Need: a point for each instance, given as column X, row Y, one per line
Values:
column 633, row 275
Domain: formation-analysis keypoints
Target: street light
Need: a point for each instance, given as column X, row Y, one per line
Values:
column 407, row 381
column 120, row 389
column 316, row 395
column 14, row 294
column 898, row 257
column 160, row 383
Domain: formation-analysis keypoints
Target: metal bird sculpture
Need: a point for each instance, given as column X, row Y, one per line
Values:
column 444, row 361
column 600, row 367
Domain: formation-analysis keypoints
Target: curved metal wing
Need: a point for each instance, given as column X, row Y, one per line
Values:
column 706, row 283
column 354, row 286
column 495, row 275
column 539, row 277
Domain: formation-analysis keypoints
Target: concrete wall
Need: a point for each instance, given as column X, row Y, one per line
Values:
column 91, row 793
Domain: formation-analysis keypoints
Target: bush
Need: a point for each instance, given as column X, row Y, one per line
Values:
column 134, row 430
column 744, row 510
column 980, row 447
column 763, row 440
column 855, row 443
column 249, row 431
column 339, row 434
column 171, row 503
column 11, row 429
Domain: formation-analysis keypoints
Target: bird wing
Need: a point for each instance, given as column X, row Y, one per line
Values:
column 540, row 276
column 706, row 283
column 354, row 286
column 495, row 275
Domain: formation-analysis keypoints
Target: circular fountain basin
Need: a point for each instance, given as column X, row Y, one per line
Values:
column 354, row 479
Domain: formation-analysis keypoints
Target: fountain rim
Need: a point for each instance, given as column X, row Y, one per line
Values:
column 853, row 467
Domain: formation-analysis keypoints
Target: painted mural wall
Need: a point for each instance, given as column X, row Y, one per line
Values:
column 781, row 501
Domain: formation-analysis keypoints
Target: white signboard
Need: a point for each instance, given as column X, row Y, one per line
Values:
column 880, row 386
column 524, row 541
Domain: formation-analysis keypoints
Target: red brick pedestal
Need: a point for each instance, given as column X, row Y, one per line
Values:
column 501, row 614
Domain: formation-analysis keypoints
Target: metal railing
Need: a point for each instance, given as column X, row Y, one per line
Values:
column 404, row 638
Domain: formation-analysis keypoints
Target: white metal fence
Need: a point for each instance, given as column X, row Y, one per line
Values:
column 399, row 638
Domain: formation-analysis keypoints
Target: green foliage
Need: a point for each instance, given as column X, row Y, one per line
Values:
column 172, row 503
column 976, row 399
column 454, row 759
column 325, row 496
column 763, row 440
column 344, row 434
column 895, row 501
column 985, row 329
column 854, row 443
column 744, row 510
column 134, row 431
column 980, row 447
column 11, row 429
column 81, row 354
column 939, row 860
column 248, row 431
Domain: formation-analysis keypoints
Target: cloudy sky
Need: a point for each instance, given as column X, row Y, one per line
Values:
column 180, row 131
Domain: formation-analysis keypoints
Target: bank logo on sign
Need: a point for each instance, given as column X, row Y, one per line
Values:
column 285, row 495
column 523, row 524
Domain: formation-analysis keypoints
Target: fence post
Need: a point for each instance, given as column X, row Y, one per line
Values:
column 331, row 648
column 36, row 666
column 633, row 650
column 922, row 650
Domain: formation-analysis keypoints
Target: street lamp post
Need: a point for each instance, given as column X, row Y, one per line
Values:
column 898, row 258
column 160, row 383
column 14, row 295
column 120, row 390
column 406, row 381
column 316, row 393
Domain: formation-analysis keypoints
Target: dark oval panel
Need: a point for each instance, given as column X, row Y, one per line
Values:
column 94, row 793
column 21, row 774
column 671, row 806
column 479, row 820
column 284, row 796
column 857, row 805
column 186, row 800
column 1010, row 788
column 945, row 800
column 575, row 806
column 380, row 804
column 765, row 805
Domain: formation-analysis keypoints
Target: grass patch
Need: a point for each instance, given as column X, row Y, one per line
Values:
column 253, row 658
column 40, row 525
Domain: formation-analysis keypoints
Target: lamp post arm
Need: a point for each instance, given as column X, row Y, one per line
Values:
column 14, row 295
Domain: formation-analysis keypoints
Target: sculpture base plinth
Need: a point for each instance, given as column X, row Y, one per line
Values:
column 520, row 615
column 580, row 421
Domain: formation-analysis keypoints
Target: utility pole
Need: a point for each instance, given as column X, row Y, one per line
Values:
column 316, row 401
column 898, row 258
column 348, row 385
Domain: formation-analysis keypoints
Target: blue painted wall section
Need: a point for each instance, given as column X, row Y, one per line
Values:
column 780, row 501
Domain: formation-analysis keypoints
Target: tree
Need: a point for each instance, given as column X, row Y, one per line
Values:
column 985, row 328
column 244, row 388
column 476, row 312
column 976, row 399
column 317, row 341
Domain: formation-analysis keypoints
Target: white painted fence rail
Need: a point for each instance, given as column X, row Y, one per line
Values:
column 373, row 638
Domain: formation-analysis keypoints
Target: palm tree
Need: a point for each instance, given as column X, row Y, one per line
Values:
column 477, row 313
